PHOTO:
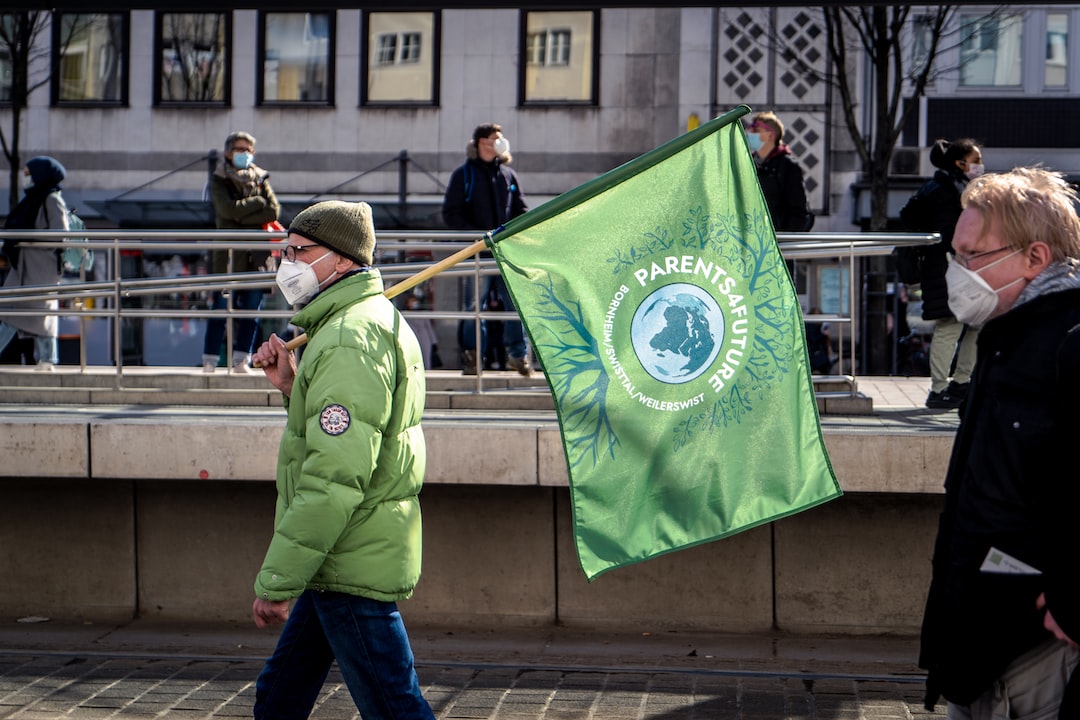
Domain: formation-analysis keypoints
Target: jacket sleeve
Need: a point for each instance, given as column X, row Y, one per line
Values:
column 56, row 217
column 455, row 208
column 518, row 204
column 1060, row 506
column 797, row 213
column 249, row 211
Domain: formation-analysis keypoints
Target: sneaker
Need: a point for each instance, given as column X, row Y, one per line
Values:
column 242, row 368
column 209, row 366
column 45, row 366
column 520, row 364
column 957, row 390
column 469, row 360
column 942, row 400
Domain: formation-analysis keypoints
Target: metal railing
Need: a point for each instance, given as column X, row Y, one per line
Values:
column 114, row 296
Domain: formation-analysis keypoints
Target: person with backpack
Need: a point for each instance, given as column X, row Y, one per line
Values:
column 483, row 194
column 41, row 208
column 935, row 207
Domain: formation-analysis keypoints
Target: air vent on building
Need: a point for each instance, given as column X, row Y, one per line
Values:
column 905, row 161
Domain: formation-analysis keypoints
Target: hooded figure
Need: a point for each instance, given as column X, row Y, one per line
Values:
column 42, row 208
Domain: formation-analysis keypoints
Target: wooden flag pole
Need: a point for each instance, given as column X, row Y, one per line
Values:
column 411, row 282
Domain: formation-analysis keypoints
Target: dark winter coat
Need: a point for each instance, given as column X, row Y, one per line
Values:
column 935, row 207
column 482, row 196
column 239, row 207
column 782, row 184
column 1010, row 486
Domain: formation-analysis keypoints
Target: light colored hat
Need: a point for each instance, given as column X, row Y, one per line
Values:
column 344, row 227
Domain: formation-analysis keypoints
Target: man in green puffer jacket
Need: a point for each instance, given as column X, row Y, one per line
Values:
column 347, row 535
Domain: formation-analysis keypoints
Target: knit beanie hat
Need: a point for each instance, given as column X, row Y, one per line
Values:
column 344, row 227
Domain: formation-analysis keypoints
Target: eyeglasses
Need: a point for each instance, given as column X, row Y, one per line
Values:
column 966, row 260
column 290, row 250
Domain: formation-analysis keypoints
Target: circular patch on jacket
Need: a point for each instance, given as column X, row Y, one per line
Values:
column 334, row 420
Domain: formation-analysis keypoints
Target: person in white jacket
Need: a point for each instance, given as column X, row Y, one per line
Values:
column 42, row 208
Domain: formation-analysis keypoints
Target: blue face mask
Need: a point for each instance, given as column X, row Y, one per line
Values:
column 242, row 160
column 755, row 141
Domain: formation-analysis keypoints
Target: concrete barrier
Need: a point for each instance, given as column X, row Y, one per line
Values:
column 168, row 515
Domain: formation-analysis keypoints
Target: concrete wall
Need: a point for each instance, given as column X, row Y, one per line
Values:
column 493, row 556
column 167, row 514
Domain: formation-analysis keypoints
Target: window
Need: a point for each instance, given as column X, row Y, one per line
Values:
column 90, row 58
column 990, row 50
column 1057, row 50
column 297, row 51
column 400, row 65
column 192, row 54
column 559, row 57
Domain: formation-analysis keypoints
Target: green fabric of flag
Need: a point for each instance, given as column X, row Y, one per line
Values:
column 665, row 320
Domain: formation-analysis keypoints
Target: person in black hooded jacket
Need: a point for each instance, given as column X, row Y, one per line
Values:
column 935, row 207
column 1002, row 620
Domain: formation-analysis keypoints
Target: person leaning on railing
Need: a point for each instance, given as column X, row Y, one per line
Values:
column 242, row 197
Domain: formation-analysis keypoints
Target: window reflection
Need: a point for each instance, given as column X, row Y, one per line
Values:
column 559, row 56
column 193, row 57
column 990, row 50
column 91, row 57
column 1057, row 50
column 400, row 65
column 297, row 52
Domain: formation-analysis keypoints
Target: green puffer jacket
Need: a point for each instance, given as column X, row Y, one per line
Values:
column 352, row 458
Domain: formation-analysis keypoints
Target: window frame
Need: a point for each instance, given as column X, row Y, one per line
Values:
column 260, row 61
column 55, row 60
column 593, row 58
column 227, row 52
column 366, row 66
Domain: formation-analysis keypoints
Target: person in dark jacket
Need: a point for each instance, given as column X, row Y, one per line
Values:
column 780, row 176
column 482, row 195
column 935, row 207
column 1002, row 619
column 243, row 199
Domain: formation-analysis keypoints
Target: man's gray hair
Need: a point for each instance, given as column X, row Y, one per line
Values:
column 238, row 135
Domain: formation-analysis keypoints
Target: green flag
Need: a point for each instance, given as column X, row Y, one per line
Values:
column 664, row 318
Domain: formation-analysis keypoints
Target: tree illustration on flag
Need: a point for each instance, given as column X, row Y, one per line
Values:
column 664, row 318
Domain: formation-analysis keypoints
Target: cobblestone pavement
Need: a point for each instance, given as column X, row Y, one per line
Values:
column 50, row 686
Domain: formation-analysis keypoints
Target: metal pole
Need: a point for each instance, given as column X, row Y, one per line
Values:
column 403, row 175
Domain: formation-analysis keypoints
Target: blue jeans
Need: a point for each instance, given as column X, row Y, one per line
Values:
column 48, row 348
column 369, row 642
column 245, row 330
column 513, row 330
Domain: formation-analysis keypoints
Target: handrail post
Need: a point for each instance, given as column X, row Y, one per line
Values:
column 403, row 175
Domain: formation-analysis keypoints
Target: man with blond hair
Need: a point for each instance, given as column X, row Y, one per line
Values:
column 1002, row 620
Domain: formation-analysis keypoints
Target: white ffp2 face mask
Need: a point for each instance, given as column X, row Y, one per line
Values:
column 297, row 281
column 971, row 299
column 501, row 146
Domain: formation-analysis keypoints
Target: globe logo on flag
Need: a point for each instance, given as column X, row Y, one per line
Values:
column 677, row 332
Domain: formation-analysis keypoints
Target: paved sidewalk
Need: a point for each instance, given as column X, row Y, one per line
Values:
column 51, row 670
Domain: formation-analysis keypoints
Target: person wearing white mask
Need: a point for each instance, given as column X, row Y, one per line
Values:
column 242, row 199
column 484, row 193
column 934, row 208
column 346, row 545
column 1002, row 622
